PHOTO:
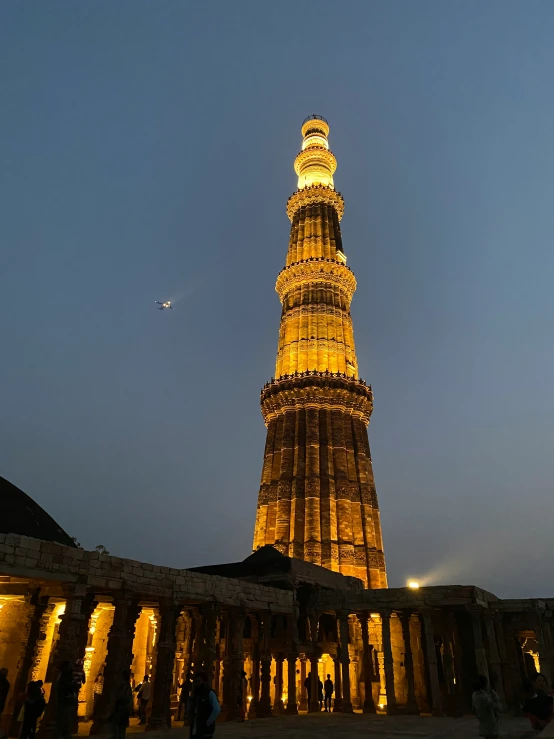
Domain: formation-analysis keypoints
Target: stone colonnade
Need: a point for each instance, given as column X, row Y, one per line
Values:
column 389, row 651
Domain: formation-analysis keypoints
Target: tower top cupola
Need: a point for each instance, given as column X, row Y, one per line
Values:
column 315, row 164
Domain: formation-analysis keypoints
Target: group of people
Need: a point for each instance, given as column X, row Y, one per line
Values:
column 325, row 691
column 537, row 705
column 199, row 707
column 32, row 704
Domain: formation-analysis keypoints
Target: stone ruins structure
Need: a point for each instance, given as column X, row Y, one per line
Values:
column 313, row 597
column 278, row 618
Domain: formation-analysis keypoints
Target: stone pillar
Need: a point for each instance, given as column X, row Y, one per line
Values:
column 255, row 678
column 314, row 634
column 337, row 703
column 279, row 706
column 303, row 692
column 233, row 665
column 411, row 703
column 160, row 713
column 544, row 651
column 40, row 607
column 314, row 703
column 480, row 654
column 369, row 704
column 119, row 656
column 382, row 679
column 197, row 640
column 208, row 652
column 431, row 661
column 494, row 657
column 70, row 646
column 292, row 706
column 264, row 705
column 388, row 662
column 345, row 662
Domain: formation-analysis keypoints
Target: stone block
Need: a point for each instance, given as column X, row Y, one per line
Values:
column 29, row 562
column 30, row 543
column 12, row 540
column 7, row 549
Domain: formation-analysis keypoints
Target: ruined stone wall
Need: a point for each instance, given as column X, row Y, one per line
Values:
column 21, row 555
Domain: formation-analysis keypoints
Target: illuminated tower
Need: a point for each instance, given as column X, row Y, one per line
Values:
column 317, row 497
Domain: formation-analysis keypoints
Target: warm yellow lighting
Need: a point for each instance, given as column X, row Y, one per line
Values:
column 249, row 698
column 89, row 649
column 413, row 584
column 381, row 705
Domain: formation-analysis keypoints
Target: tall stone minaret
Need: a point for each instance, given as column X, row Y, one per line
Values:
column 317, row 497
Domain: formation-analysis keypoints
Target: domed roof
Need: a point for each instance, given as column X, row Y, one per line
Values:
column 21, row 515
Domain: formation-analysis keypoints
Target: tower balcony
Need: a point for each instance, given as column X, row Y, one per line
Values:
column 302, row 390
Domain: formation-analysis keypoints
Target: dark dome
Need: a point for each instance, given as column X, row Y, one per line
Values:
column 21, row 515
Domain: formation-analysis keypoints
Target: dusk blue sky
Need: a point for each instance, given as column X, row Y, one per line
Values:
column 146, row 154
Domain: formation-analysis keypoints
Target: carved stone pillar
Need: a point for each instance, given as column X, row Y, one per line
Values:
column 70, row 646
column 494, row 657
column 480, row 654
column 314, row 689
column 197, row 640
column 292, row 706
column 264, row 706
column 119, row 656
column 255, row 681
column 411, row 703
column 313, row 706
column 40, row 607
column 544, row 650
column 279, row 706
column 160, row 714
column 303, row 691
column 337, row 703
column 388, row 662
column 345, row 662
column 233, row 665
column 208, row 655
column 431, row 660
column 367, row 670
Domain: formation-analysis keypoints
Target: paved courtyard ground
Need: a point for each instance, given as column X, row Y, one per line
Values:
column 356, row 726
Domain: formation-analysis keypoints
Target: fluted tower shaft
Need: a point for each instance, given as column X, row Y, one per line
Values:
column 317, row 498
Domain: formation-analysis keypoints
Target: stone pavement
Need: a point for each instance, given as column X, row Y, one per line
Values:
column 353, row 726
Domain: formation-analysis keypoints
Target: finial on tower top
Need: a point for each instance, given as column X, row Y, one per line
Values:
column 315, row 164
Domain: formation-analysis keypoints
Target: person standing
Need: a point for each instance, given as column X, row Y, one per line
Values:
column 144, row 694
column 67, row 693
column 319, row 692
column 185, row 687
column 4, row 690
column 33, row 708
column 329, row 689
column 308, row 686
column 123, row 706
column 202, row 708
column 486, row 706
